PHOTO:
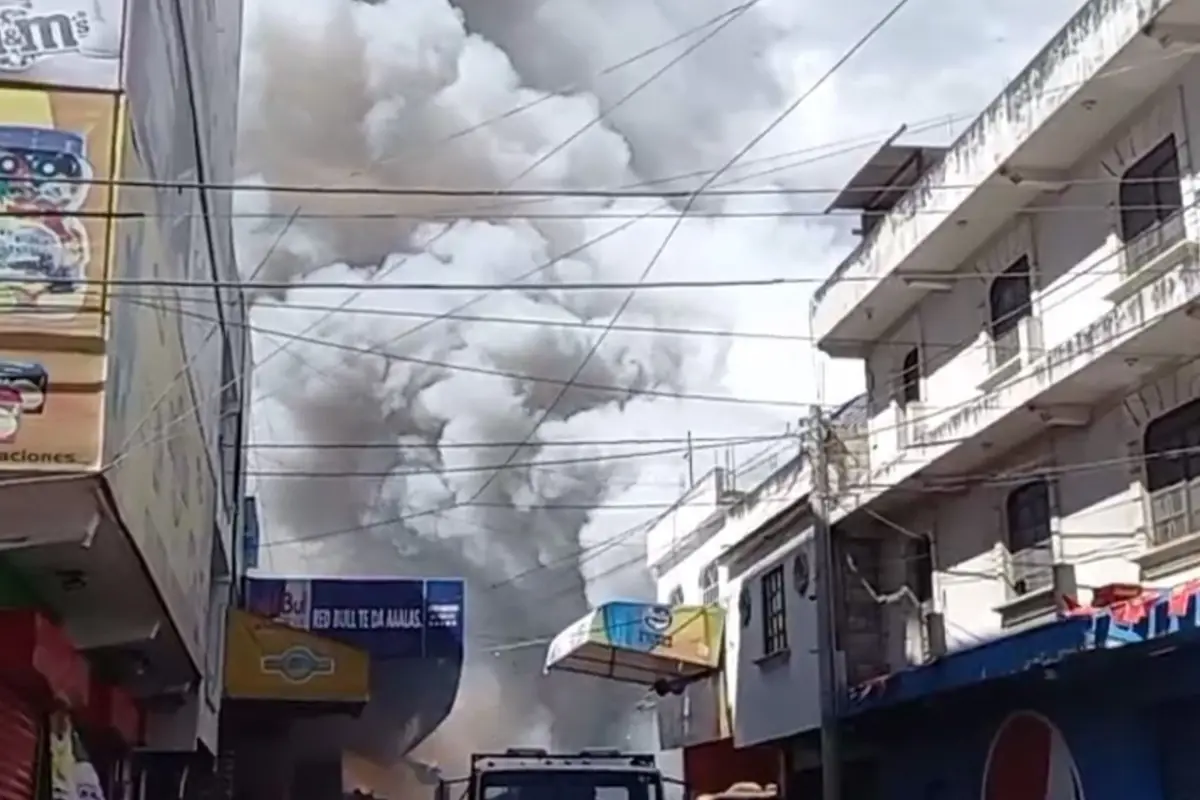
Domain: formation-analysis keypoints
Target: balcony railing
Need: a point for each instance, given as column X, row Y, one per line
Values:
column 1017, row 346
column 1152, row 242
column 1175, row 512
column 1031, row 569
column 910, row 428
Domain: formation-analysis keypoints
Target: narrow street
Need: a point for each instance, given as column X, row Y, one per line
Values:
column 599, row 400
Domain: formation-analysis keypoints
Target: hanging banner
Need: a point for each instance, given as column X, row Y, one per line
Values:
column 388, row 618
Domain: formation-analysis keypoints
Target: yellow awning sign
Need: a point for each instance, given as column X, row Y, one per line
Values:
column 641, row 642
column 266, row 660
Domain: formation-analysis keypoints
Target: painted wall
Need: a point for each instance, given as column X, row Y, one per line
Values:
column 776, row 695
column 1074, row 738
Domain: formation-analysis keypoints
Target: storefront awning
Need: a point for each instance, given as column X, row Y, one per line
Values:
column 641, row 643
column 267, row 660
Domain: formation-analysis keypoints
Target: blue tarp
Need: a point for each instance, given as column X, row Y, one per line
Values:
column 388, row 618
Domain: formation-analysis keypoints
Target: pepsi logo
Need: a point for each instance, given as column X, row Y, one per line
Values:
column 657, row 619
column 1029, row 760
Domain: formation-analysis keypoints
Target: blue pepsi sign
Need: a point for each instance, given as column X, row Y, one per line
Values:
column 388, row 618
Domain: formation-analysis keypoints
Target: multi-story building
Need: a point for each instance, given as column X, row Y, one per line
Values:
column 122, row 400
column 748, row 550
column 1025, row 305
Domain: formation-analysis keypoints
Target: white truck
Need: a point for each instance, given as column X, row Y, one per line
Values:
column 535, row 774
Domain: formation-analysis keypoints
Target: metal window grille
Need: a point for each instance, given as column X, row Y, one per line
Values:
column 774, row 617
column 710, row 589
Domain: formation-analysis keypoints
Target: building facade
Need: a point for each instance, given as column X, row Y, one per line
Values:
column 122, row 401
column 1024, row 304
column 749, row 550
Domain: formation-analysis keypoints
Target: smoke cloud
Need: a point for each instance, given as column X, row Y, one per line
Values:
column 528, row 94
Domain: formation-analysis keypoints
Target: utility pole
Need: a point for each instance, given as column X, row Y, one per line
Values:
column 827, row 660
column 690, row 457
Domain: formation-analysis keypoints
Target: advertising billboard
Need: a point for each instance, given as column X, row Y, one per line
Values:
column 53, row 259
column 70, row 44
column 56, row 164
column 267, row 660
column 388, row 618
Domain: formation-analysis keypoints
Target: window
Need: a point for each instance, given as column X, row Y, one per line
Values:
column 1151, row 202
column 710, row 589
column 922, row 568
column 774, row 605
column 675, row 598
column 1027, row 512
column 609, row 784
column 1150, row 193
column 1009, row 302
column 1172, row 453
column 910, row 378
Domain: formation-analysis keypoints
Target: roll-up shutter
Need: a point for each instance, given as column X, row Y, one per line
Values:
column 19, row 732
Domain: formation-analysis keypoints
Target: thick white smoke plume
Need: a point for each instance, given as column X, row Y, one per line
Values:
column 491, row 94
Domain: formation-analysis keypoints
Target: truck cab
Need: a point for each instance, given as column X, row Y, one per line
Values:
column 534, row 774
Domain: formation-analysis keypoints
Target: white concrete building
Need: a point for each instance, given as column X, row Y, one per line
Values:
column 1025, row 306
column 744, row 539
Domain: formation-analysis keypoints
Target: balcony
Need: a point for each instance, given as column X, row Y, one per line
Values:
column 1045, row 387
column 1020, row 147
column 1174, row 512
column 1150, row 254
column 1009, row 353
column 911, row 427
column 1173, row 530
column 1030, row 570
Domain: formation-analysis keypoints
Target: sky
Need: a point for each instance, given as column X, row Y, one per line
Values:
column 508, row 436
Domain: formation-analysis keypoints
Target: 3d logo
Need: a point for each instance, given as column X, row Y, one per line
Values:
column 657, row 619
column 297, row 664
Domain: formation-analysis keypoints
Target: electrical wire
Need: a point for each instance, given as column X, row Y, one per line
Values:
column 754, row 141
column 566, row 383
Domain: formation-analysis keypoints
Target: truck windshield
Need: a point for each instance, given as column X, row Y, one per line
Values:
column 573, row 784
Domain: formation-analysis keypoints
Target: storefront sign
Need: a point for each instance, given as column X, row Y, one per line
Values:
column 267, row 660
column 387, row 618
column 72, row 44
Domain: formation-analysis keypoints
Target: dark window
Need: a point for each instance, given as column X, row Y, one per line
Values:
column 1009, row 299
column 910, row 378
column 1172, row 448
column 1150, row 192
column 922, row 568
column 675, row 598
column 1029, row 537
column 1172, row 452
column 774, row 604
column 1028, row 510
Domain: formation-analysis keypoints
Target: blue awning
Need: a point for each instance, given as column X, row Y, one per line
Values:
column 1166, row 617
column 999, row 658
